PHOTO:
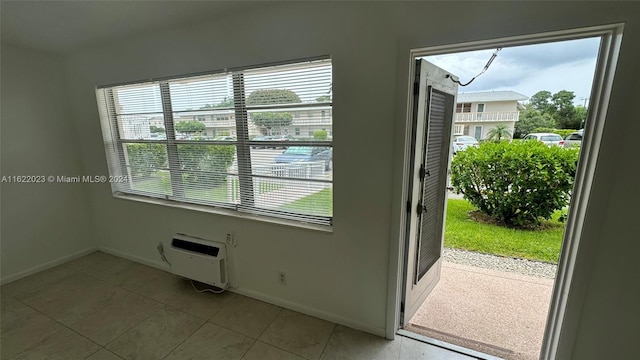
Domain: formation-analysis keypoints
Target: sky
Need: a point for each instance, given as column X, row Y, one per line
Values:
column 565, row 65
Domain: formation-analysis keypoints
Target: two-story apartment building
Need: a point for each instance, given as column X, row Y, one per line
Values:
column 305, row 121
column 478, row 112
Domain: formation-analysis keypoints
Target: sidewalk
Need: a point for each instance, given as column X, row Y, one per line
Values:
column 498, row 313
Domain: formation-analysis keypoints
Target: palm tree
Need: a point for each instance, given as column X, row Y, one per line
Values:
column 499, row 132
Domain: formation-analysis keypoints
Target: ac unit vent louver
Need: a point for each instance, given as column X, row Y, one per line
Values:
column 199, row 259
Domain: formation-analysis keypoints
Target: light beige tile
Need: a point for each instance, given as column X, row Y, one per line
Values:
column 64, row 345
column 212, row 342
column 247, row 316
column 103, row 354
column 73, row 297
column 26, row 331
column 299, row 334
column 262, row 351
column 160, row 287
column 155, row 337
column 417, row 350
column 203, row 305
column 124, row 311
column 138, row 276
column 349, row 344
column 12, row 312
column 102, row 266
column 30, row 285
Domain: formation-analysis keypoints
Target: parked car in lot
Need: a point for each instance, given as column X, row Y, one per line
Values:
column 261, row 138
column 549, row 139
column 574, row 139
column 460, row 143
column 282, row 138
column 295, row 154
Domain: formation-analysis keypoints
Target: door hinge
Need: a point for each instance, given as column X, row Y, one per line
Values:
column 416, row 88
column 408, row 206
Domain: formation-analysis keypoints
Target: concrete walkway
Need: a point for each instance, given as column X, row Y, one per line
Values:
column 494, row 312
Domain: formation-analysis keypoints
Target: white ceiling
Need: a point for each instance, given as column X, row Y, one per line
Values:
column 63, row 26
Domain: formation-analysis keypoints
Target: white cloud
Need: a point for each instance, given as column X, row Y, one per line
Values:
column 566, row 65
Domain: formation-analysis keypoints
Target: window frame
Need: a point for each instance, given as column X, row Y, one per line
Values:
column 115, row 143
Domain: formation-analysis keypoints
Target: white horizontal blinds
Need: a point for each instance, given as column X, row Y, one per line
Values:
column 205, row 139
column 293, row 178
column 136, row 123
column 138, row 111
column 256, row 140
column 290, row 130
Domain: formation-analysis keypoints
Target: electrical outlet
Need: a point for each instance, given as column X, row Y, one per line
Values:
column 282, row 277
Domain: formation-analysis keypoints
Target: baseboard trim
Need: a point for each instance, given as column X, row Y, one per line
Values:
column 263, row 297
column 310, row 311
column 36, row 269
column 154, row 264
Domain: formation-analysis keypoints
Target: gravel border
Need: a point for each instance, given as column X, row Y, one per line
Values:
column 513, row 265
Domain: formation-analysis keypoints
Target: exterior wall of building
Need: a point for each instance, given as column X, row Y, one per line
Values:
column 494, row 113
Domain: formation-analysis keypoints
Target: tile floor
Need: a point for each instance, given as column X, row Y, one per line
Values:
column 101, row 307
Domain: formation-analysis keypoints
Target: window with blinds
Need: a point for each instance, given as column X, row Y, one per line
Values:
column 255, row 140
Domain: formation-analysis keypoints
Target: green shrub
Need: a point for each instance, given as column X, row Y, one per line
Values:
column 320, row 135
column 145, row 158
column 205, row 164
column 515, row 183
column 562, row 132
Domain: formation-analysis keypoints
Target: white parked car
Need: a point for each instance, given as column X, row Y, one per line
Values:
column 462, row 142
column 574, row 139
column 549, row 139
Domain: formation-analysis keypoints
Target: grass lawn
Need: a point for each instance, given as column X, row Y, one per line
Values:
column 323, row 199
column 463, row 233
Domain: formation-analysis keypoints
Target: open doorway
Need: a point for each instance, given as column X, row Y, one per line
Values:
column 434, row 107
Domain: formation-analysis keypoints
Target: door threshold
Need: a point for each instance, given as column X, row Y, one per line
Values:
column 446, row 345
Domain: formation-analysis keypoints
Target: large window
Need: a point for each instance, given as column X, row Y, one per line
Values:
column 223, row 140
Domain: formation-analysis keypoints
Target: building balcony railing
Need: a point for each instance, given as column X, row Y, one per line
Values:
column 488, row 116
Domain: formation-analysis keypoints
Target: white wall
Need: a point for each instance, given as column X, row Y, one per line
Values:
column 343, row 275
column 41, row 223
column 493, row 106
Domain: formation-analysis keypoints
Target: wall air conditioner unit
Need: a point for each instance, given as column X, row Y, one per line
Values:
column 197, row 259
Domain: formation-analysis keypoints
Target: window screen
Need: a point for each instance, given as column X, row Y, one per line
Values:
column 256, row 140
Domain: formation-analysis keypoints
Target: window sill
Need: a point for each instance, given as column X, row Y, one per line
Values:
column 225, row 212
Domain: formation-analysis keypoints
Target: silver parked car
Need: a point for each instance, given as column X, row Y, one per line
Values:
column 462, row 142
column 574, row 139
column 548, row 139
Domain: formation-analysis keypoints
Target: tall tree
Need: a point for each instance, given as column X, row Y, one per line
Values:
column 581, row 115
column 541, row 101
column 268, row 121
column 530, row 118
column 563, row 109
column 225, row 103
column 190, row 126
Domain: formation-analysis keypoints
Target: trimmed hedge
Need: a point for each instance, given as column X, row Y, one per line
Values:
column 562, row 132
column 515, row 183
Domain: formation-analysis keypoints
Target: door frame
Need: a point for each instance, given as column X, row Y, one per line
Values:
column 562, row 322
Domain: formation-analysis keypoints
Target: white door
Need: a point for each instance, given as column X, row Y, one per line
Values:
column 434, row 108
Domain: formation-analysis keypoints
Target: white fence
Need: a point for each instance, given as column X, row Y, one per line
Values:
column 281, row 182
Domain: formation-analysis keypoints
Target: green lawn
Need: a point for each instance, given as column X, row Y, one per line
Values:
column 463, row 233
column 323, row 199
column 160, row 183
